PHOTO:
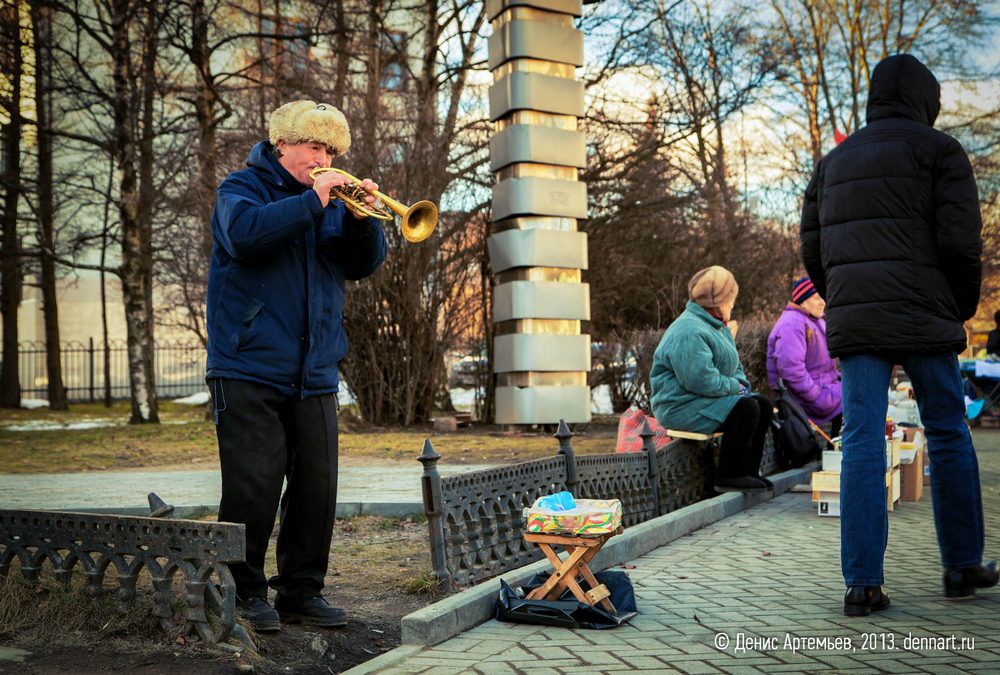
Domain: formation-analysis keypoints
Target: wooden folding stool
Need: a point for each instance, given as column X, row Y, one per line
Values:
column 581, row 549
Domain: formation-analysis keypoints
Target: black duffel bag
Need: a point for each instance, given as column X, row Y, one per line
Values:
column 568, row 612
column 794, row 440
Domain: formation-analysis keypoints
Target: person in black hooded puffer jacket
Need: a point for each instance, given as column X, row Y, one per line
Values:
column 891, row 237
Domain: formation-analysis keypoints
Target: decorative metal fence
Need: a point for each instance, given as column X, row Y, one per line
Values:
column 475, row 519
column 180, row 369
column 120, row 547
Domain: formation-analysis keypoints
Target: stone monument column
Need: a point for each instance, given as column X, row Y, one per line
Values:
column 541, row 358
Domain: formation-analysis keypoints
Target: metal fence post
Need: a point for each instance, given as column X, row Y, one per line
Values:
column 430, row 483
column 564, row 435
column 90, row 353
column 654, row 465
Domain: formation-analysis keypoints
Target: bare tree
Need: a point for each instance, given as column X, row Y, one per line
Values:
column 242, row 60
column 41, row 25
column 832, row 45
column 188, row 246
column 980, row 135
column 665, row 199
column 417, row 307
column 720, row 65
column 660, row 171
column 125, row 36
column 11, row 59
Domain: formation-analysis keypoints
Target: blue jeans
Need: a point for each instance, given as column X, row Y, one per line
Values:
column 958, row 504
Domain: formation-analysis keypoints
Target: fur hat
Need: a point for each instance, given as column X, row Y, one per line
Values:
column 305, row 121
column 713, row 286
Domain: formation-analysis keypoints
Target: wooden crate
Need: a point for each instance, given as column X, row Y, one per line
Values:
column 829, row 482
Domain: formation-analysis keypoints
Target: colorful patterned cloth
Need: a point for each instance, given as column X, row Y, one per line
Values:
column 591, row 516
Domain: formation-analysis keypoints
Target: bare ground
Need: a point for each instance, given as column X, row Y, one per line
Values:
column 373, row 563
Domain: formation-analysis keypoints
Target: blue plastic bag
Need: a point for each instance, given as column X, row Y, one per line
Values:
column 560, row 501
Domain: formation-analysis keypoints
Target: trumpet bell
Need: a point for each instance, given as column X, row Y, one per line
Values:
column 419, row 221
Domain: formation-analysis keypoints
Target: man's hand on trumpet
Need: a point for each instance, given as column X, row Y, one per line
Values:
column 327, row 180
column 369, row 186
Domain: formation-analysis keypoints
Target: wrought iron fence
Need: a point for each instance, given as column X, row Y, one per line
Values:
column 198, row 553
column 475, row 519
column 180, row 369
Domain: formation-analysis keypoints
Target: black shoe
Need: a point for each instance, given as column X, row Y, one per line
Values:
column 739, row 484
column 862, row 600
column 769, row 484
column 260, row 615
column 962, row 583
column 314, row 611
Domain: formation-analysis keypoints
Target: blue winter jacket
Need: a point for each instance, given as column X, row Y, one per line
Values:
column 276, row 280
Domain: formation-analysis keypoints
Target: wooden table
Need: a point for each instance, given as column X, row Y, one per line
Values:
column 581, row 549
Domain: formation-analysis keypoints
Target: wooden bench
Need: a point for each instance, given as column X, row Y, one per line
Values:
column 692, row 435
column 581, row 550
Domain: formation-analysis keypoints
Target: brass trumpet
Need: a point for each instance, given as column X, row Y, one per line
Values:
column 419, row 220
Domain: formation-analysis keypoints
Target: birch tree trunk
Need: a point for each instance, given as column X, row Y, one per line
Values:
column 136, row 227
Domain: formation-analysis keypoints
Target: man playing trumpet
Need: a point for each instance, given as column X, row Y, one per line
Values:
column 282, row 252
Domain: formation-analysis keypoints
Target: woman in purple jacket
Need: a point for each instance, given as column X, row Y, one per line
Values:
column 797, row 353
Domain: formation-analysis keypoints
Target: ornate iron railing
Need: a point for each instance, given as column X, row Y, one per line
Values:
column 180, row 369
column 199, row 551
column 475, row 521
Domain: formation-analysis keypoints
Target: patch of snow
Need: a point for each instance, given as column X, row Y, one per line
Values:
column 463, row 398
column 198, row 398
column 49, row 425
column 34, row 403
column 96, row 424
column 344, row 395
column 600, row 400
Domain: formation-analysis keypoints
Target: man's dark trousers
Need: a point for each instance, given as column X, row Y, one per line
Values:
column 264, row 437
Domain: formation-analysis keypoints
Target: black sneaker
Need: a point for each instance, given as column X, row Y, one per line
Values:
column 739, row 484
column 315, row 611
column 962, row 583
column 260, row 615
column 863, row 600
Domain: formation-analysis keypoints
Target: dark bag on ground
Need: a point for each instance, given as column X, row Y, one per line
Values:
column 568, row 612
column 794, row 439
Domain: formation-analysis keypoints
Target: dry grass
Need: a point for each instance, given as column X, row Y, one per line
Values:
column 64, row 628
column 424, row 583
column 186, row 438
column 373, row 557
column 51, row 613
column 183, row 437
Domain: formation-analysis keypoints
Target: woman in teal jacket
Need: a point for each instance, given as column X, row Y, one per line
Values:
column 698, row 384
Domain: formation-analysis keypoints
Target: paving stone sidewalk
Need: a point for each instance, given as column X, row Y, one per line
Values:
column 761, row 592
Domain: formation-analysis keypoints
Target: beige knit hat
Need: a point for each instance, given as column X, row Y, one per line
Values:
column 713, row 286
column 304, row 121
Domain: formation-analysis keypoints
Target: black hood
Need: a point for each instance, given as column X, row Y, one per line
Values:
column 904, row 87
